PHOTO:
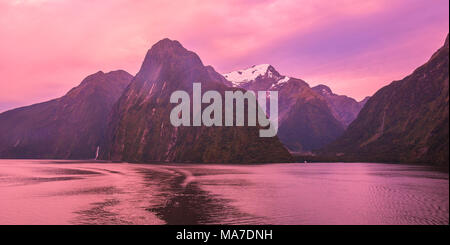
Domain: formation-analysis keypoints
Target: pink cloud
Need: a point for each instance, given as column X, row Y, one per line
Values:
column 49, row 46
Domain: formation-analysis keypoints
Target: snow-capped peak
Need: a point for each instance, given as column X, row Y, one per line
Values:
column 243, row 76
column 280, row 82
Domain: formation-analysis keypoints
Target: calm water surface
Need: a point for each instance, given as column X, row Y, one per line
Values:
column 71, row 192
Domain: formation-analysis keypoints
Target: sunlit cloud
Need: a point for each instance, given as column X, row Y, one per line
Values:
column 49, row 46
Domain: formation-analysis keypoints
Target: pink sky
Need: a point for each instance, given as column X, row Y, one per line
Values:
column 353, row 46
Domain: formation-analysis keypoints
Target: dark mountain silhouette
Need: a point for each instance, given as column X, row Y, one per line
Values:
column 406, row 121
column 70, row 127
column 140, row 129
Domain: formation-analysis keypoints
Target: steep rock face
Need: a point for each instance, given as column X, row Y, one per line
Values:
column 364, row 101
column 344, row 108
column 140, row 128
column 406, row 121
column 305, row 119
column 70, row 127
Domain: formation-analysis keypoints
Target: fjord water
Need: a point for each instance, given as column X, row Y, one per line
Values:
column 75, row 192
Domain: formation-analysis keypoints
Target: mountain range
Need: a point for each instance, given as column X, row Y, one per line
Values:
column 127, row 118
column 309, row 118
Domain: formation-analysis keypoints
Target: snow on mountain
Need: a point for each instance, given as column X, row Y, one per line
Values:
column 246, row 77
column 280, row 82
column 243, row 76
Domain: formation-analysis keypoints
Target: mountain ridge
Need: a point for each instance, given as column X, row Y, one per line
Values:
column 69, row 127
column 139, row 126
column 345, row 109
column 405, row 121
column 305, row 120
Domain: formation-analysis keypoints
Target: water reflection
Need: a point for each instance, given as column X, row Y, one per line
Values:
column 81, row 192
column 186, row 203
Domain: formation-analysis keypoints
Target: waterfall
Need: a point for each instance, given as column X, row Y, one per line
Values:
column 96, row 154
